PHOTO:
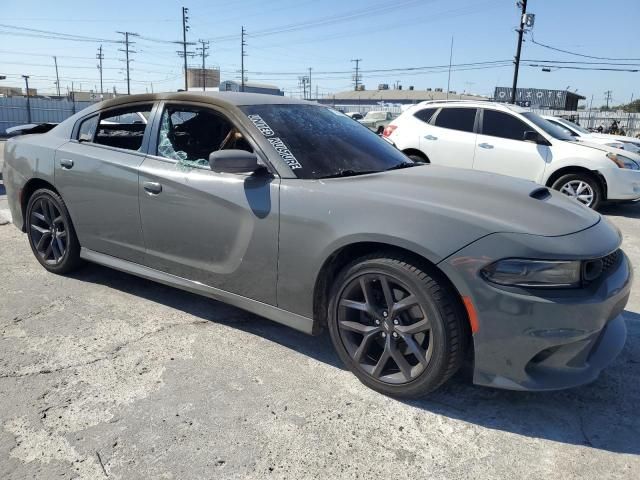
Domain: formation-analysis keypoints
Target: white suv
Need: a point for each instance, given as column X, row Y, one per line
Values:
column 510, row 140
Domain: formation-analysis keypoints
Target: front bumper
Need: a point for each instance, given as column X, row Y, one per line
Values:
column 544, row 339
column 622, row 183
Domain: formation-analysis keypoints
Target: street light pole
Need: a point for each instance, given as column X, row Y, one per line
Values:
column 26, row 81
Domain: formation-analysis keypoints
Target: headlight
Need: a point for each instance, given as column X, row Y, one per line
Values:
column 520, row 272
column 622, row 161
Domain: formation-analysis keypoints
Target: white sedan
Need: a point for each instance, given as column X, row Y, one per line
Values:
column 617, row 141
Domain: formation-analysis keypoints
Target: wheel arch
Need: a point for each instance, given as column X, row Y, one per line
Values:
column 577, row 169
column 415, row 151
column 27, row 191
column 342, row 256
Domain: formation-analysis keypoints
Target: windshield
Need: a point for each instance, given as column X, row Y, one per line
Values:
column 574, row 126
column 319, row 142
column 547, row 126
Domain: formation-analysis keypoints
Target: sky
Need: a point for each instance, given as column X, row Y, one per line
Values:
column 287, row 37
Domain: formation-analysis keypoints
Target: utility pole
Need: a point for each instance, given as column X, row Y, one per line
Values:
column 203, row 52
column 26, row 81
column 450, row 59
column 55, row 60
column 607, row 96
column 185, row 28
column 128, row 51
column 356, row 77
column 310, row 91
column 523, row 5
column 242, row 55
column 303, row 82
column 100, row 57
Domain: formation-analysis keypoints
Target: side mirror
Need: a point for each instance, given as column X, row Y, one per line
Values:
column 533, row 136
column 233, row 161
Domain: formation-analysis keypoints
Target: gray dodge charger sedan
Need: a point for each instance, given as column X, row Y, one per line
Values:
column 295, row 212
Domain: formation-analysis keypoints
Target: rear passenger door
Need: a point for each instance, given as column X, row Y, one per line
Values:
column 451, row 138
column 97, row 175
column 501, row 147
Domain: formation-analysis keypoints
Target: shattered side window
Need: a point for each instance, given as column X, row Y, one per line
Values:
column 166, row 146
column 190, row 134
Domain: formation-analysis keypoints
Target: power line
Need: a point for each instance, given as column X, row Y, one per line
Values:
column 581, row 54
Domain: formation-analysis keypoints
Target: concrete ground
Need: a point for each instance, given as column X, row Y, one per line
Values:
column 104, row 375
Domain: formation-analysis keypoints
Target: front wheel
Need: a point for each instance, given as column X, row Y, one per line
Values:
column 398, row 328
column 583, row 187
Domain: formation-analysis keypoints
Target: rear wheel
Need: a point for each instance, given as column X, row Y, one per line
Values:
column 583, row 187
column 51, row 235
column 398, row 328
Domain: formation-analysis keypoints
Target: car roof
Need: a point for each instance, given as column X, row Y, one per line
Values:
column 473, row 103
column 215, row 98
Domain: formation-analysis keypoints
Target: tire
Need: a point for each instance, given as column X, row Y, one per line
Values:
column 408, row 356
column 52, row 237
column 418, row 158
column 572, row 183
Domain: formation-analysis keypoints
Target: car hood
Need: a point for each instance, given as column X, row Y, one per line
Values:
column 606, row 148
column 620, row 138
column 490, row 202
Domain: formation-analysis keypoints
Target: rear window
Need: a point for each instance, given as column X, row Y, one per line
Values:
column 123, row 127
column 461, row 119
column 318, row 142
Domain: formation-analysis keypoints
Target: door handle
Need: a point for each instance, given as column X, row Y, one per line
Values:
column 430, row 137
column 488, row 146
column 153, row 188
column 66, row 163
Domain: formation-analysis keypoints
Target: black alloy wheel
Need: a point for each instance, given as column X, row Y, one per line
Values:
column 400, row 329
column 51, row 234
column 384, row 328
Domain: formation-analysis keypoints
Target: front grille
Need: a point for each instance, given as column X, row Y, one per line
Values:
column 610, row 260
column 594, row 269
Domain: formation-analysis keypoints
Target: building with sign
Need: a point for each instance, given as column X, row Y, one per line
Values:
column 540, row 98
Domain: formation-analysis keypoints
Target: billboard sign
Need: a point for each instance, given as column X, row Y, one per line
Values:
column 533, row 97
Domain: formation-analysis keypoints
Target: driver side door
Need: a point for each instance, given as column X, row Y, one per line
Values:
column 218, row 229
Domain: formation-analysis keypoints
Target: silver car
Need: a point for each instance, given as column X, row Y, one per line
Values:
column 295, row 212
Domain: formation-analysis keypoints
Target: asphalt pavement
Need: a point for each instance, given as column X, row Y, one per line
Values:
column 105, row 375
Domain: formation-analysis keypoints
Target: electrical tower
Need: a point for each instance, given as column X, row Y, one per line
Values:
column 357, row 78
column 203, row 52
column 243, row 54
column 310, row 94
column 127, row 50
column 100, row 57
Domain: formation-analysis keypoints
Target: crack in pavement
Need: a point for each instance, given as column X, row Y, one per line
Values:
column 109, row 355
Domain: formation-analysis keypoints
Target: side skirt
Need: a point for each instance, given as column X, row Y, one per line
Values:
column 276, row 314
